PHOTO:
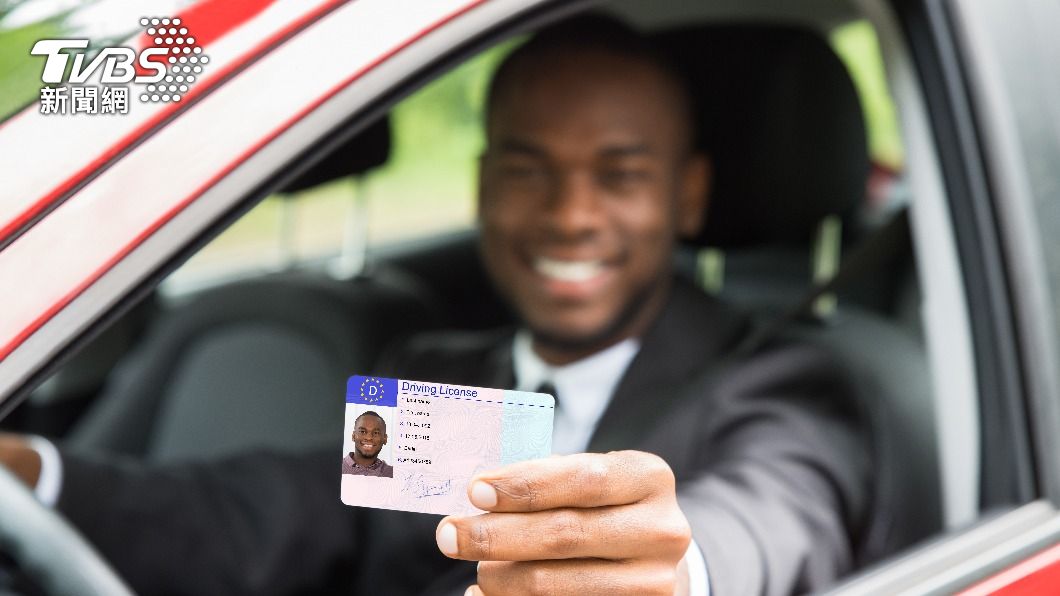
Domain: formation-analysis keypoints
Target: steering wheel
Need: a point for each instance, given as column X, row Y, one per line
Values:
column 48, row 549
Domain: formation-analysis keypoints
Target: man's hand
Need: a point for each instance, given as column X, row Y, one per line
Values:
column 19, row 459
column 578, row 524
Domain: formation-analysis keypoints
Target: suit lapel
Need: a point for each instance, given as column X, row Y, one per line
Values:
column 692, row 332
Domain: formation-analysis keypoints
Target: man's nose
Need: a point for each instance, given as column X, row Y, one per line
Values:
column 575, row 206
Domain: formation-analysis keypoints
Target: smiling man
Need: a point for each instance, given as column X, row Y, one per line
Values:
column 588, row 181
column 369, row 436
column 679, row 475
column 752, row 480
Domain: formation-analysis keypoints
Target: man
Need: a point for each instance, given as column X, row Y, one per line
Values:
column 369, row 436
column 757, row 473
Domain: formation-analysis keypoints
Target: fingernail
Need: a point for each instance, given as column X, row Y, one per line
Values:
column 483, row 495
column 447, row 539
column 470, row 591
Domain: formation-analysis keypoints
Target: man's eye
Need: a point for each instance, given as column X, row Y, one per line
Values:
column 613, row 177
column 521, row 171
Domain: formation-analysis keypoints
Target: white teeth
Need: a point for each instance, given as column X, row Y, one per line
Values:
column 574, row 271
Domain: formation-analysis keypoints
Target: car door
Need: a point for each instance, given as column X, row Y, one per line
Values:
column 988, row 75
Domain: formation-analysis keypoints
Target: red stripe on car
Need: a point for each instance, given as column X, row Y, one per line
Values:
column 1037, row 575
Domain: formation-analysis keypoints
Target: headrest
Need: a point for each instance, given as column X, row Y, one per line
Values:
column 780, row 118
column 368, row 149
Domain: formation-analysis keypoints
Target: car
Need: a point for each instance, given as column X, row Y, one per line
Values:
column 936, row 287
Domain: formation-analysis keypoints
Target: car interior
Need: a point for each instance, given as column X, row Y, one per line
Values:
column 261, row 362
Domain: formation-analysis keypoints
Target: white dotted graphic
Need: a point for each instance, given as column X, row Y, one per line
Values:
column 184, row 58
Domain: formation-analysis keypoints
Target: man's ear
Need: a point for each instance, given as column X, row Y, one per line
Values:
column 694, row 195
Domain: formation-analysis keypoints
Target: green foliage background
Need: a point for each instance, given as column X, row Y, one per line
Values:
column 19, row 72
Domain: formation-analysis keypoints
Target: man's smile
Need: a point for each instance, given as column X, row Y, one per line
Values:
column 572, row 278
column 569, row 271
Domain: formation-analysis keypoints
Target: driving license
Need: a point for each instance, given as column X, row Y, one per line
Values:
column 415, row 445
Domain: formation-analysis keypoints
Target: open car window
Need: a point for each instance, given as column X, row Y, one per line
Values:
column 426, row 187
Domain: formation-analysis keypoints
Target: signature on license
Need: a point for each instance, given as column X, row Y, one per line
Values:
column 420, row 487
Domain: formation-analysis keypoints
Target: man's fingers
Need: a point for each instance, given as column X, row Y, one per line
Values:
column 575, row 576
column 604, row 533
column 581, row 480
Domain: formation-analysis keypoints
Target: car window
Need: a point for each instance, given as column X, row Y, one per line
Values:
column 426, row 187
column 857, row 45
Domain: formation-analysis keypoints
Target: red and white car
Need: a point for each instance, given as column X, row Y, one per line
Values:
column 961, row 332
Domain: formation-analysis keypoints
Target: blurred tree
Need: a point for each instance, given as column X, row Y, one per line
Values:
column 6, row 6
column 858, row 47
column 19, row 72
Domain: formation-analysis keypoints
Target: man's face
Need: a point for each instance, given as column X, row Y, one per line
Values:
column 369, row 436
column 585, row 185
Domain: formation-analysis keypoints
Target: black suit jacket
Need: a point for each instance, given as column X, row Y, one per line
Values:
column 770, row 459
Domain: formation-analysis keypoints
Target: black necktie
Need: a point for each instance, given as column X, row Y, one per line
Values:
column 549, row 388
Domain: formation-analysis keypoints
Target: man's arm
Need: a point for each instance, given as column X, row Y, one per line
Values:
column 784, row 476
column 255, row 524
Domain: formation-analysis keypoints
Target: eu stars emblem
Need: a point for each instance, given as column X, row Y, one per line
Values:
column 371, row 390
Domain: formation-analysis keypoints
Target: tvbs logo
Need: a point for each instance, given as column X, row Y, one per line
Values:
column 167, row 66
column 117, row 63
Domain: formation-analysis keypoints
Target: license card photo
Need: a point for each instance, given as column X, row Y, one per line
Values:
column 415, row 445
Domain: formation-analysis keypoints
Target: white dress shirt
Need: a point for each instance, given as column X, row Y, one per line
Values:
column 589, row 383
column 583, row 390
column 50, row 480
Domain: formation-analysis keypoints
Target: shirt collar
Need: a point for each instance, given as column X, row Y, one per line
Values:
column 597, row 374
column 353, row 460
